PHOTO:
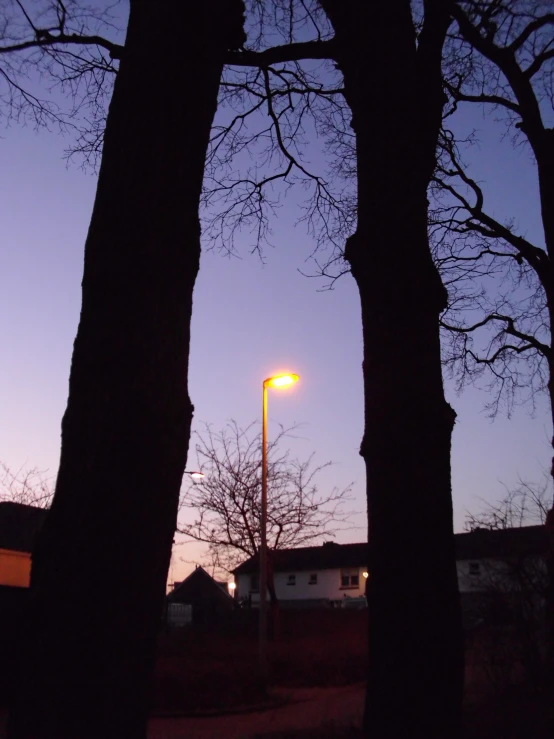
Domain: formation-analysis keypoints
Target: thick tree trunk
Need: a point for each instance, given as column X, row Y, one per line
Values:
column 415, row 678
column 549, row 596
column 100, row 564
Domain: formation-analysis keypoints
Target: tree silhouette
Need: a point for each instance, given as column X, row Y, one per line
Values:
column 500, row 282
column 390, row 65
column 386, row 97
column 104, row 550
column 225, row 506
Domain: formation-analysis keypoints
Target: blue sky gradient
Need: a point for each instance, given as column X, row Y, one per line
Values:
column 250, row 321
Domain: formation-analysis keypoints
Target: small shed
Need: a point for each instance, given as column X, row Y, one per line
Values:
column 208, row 601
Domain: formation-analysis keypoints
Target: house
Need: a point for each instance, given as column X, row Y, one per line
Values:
column 334, row 574
column 483, row 554
column 19, row 525
column 199, row 599
column 331, row 574
column 502, row 574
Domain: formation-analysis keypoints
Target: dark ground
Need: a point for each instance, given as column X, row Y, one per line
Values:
column 209, row 678
column 211, row 671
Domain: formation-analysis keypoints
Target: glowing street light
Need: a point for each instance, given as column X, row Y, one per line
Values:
column 277, row 381
column 281, row 380
column 196, row 476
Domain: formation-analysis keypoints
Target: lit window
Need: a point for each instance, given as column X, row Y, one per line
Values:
column 291, row 580
column 313, row 579
column 349, row 578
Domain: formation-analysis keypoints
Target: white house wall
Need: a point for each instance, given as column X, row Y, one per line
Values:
column 328, row 586
column 496, row 574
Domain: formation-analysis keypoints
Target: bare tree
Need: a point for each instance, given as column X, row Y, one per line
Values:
column 225, row 506
column 377, row 47
column 408, row 424
column 527, row 504
column 501, row 284
column 58, row 61
column 28, row 486
column 126, row 429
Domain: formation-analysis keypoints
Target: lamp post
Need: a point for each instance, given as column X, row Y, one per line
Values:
column 196, row 476
column 278, row 381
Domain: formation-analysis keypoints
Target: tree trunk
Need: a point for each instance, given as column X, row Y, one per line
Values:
column 415, row 677
column 548, row 286
column 100, row 563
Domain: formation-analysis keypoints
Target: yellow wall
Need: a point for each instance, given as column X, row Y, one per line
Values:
column 15, row 568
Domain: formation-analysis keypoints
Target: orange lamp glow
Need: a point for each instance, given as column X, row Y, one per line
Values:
column 281, row 380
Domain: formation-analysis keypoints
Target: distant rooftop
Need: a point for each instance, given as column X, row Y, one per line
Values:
column 199, row 585
column 484, row 543
column 479, row 544
column 327, row 556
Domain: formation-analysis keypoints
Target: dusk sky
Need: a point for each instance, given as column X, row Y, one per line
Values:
column 250, row 320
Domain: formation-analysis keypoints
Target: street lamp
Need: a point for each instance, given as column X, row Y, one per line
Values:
column 196, row 476
column 278, row 381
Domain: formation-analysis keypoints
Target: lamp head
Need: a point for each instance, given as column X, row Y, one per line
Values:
column 281, row 380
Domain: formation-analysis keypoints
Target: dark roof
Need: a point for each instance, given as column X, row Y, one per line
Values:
column 328, row 556
column 527, row 540
column 517, row 542
column 19, row 525
column 199, row 585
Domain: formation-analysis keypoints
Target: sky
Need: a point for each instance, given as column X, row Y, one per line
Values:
column 250, row 320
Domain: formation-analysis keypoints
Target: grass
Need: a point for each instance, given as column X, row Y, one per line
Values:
column 210, row 670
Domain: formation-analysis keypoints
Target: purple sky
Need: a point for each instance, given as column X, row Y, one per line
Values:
column 250, row 320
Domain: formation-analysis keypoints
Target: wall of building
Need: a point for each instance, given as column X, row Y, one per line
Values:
column 327, row 587
column 484, row 575
column 15, row 568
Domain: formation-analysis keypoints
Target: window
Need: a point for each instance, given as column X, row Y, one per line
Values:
column 291, row 580
column 313, row 579
column 254, row 583
column 474, row 568
column 349, row 578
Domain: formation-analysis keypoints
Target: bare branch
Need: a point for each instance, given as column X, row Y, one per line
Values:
column 225, row 507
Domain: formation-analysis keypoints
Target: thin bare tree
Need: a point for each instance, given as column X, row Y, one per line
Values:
column 225, row 506
column 28, row 486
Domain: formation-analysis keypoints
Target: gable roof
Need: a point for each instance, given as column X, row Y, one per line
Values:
column 479, row 544
column 325, row 557
column 199, row 585
column 19, row 525
column 517, row 542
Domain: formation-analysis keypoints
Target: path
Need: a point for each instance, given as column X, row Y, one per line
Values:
column 306, row 708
